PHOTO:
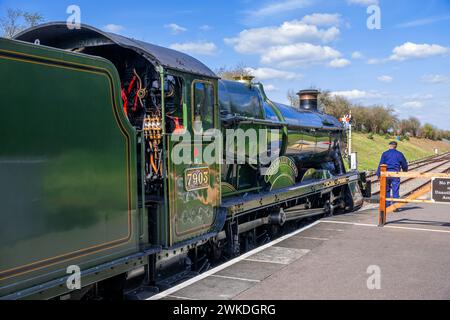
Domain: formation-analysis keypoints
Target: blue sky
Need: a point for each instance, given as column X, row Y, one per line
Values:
column 296, row 44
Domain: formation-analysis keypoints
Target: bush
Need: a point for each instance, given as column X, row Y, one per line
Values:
column 387, row 136
column 370, row 136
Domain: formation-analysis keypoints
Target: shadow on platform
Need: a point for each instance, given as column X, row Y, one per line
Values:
column 420, row 222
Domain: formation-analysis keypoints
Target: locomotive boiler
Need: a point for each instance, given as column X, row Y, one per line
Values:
column 88, row 176
column 310, row 142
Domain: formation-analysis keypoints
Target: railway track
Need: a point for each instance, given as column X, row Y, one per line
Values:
column 415, row 165
column 411, row 185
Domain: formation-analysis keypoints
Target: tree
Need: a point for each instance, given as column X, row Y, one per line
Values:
column 414, row 126
column 429, row 131
column 17, row 20
column 446, row 135
column 381, row 119
column 336, row 106
column 293, row 98
column 409, row 126
column 32, row 19
column 10, row 24
column 361, row 118
column 403, row 127
column 231, row 73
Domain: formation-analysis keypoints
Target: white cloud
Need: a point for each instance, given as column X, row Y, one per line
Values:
column 176, row 29
column 294, row 43
column 413, row 105
column 278, row 7
column 300, row 54
column 357, row 55
column 365, row 3
column 270, row 88
column 411, row 50
column 374, row 61
column 269, row 73
column 322, row 19
column 114, row 28
column 205, row 28
column 339, row 63
column 356, row 94
column 259, row 39
column 386, row 79
column 201, row 48
column 422, row 22
column 435, row 78
column 419, row 96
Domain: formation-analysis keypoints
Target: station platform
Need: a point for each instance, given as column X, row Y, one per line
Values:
column 331, row 258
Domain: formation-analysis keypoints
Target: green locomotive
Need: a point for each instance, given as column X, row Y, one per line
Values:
column 89, row 125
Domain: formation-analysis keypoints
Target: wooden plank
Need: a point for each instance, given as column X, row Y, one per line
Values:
column 416, row 194
column 410, row 201
column 418, row 175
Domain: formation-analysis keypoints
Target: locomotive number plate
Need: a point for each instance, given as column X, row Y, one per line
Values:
column 196, row 179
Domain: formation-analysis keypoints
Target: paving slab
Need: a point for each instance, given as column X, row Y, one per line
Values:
column 412, row 254
column 278, row 255
column 251, row 270
column 319, row 233
column 301, row 243
column 214, row 288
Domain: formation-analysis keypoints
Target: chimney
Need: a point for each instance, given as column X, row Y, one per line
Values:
column 244, row 79
column 309, row 99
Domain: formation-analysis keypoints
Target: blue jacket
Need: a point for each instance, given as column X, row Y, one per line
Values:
column 395, row 160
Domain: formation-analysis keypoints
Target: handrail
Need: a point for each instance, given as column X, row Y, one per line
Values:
column 417, row 175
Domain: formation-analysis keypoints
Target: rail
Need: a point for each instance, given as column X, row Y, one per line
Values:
column 416, row 164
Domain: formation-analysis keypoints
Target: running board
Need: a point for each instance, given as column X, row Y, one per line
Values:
column 294, row 214
column 255, row 202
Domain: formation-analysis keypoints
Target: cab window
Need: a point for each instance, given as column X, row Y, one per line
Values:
column 203, row 104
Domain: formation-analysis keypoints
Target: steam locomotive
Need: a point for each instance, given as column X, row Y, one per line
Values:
column 90, row 185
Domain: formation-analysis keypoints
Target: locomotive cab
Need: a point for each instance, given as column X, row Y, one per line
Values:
column 163, row 93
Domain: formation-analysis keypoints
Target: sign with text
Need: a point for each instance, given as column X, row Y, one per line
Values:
column 440, row 190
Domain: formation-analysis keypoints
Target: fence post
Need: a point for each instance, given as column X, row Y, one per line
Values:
column 382, row 216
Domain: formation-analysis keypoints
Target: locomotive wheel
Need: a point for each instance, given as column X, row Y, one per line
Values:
column 329, row 210
column 348, row 199
column 249, row 242
column 275, row 230
column 216, row 251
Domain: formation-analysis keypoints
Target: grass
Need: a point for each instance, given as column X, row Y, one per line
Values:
column 369, row 151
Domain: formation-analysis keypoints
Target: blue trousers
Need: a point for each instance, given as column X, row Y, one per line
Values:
column 392, row 189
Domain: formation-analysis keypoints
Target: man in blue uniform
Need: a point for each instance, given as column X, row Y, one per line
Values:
column 395, row 161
